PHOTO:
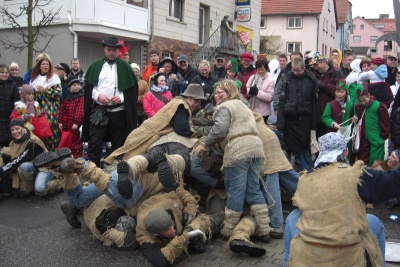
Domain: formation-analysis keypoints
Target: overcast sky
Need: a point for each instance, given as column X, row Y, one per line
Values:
column 372, row 8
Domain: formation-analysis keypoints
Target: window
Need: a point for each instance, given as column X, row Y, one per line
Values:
column 362, row 27
column 292, row 47
column 140, row 3
column 294, row 22
column 373, row 50
column 326, row 26
column 373, row 39
column 354, row 26
column 176, row 9
column 379, row 26
column 323, row 25
column 263, row 22
column 166, row 54
column 357, row 39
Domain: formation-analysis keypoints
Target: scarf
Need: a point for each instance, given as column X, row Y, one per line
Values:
column 24, row 137
column 159, row 90
column 30, row 107
column 126, row 77
column 41, row 80
column 68, row 95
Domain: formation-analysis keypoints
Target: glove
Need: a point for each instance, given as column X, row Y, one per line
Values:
column 188, row 219
column 253, row 91
column 202, row 150
column 6, row 158
column 320, row 85
column 193, row 234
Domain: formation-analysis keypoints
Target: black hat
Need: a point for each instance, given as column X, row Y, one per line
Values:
column 17, row 122
column 174, row 68
column 72, row 79
column 111, row 42
column 64, row 67
column 155, row 82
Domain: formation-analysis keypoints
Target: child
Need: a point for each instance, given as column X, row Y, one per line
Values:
column 71, row 114
column 375, row 118
column 232, row 70
column 158, row 96
column 27, row 108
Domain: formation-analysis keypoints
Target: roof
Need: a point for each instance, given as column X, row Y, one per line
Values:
column 282, row 7
column 389, row 25
column 342, row 9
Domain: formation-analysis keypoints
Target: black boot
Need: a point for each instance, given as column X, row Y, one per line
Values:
column 71, row 213
column 48, row 159
column 246, row 247
column 124, row 183
column 165, row 174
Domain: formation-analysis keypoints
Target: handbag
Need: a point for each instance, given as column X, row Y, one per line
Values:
column 357, row 139
column 66, row 139
column 347, row 131
column 41, row 127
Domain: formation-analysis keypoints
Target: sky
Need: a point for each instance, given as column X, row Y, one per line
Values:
column 372, row 8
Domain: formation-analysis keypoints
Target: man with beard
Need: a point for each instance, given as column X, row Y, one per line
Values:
column 111, row 94
column 76, row 70
column 297, row 111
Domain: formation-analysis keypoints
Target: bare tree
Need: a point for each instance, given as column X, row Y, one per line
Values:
column 270, row 44
column 30, row 34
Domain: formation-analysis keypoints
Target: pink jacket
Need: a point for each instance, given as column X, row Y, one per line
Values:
column 151, row 105
column 261, row 103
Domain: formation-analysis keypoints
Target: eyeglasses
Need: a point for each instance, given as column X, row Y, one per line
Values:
column 219, row 92
column 392, row 59
column 220, row 61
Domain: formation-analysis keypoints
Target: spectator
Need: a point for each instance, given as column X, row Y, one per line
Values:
column 232, row 72
column 151, row 68
column 143, row 89
column 391, row 63
column 8, row 96
column 260, row 89
column 63, row 71
column 174, row 80
column 186, row 70
column 157, row 97
column 219, row 70
column 365, row 64
column 47, row 86
column 246, row 69
column 71, row 114
column 297, row 111
column 345, row 69
column 14, row 74
column 110, row 101
column 206, row 80
column 77, row 70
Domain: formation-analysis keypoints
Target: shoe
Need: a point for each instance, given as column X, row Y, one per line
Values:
column 393, row 203
column 23, row 194
column 124, row 183
column 71, row 165
column 48, row 159
column 250, row 249
column 265, row 238
column 276, row 235
column 165, row 174
column 71, row 213
column 198, row 244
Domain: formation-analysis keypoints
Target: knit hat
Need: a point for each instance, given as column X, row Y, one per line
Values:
column 247, row 56
column 194, row 90
column 135, row 66
column 233, row 65
column 158, row 221
column 331, row 145
column 72, row 79
column 25, row 90
column 317, row 57
column 17, row 122
column 378, row 61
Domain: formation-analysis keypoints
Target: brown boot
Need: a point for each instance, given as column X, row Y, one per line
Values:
column 27, row 184
column 232, row 218
column 260, row 215
column 70, row 165
column 53, row 186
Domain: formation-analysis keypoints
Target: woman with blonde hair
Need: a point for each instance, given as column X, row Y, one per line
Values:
column 14, row 74
column 47, row 86
column 235, row 129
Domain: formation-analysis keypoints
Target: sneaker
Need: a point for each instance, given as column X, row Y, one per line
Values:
column 71, row 165
column 124, row 183
column 250, row 249
column 71, row 213
column 49, row 159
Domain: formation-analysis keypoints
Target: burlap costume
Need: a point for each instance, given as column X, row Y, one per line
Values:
column 333, row 227
column 140, row 139
column 15, row 149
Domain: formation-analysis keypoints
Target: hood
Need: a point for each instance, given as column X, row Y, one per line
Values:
column 355, row 65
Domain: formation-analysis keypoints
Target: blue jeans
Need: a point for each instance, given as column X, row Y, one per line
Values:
column 288, row 180
column 197, row 172
column 42, row 178
column 82, row 197
column 305, row 160
column 375, row 227
column 242, row 184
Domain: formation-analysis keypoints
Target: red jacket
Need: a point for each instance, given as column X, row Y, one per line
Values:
column 151, row 104
column 71, row 111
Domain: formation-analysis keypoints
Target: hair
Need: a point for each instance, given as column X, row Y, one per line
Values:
column 262, row 63
column 36, row 68
column 135, row 66
column 299, row 61
column 282, row 56
column 296, row 53
column 42, row 55
column 13, row 65
column 204, row 63
column 158, row 76
column 307, row 52
column 154, row 51
column 347, row 54
column 230, row 87
column 398, row 72
column 4, row 66
column 75, row 59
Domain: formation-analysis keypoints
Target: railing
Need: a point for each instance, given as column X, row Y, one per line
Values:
column 221, row 41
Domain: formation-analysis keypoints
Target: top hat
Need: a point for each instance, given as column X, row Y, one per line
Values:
column 111, row 42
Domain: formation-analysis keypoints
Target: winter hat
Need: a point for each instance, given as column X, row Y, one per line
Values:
column 72, row 79
column 233, row 65
column 361, row 90
column 64, row 67
column 25, row 90
column 156, row 76
column 17, row 122
column 378, row 61
column 247, row 56
column 158, row 221
column 331, row 145
column 219, row 56
column 343, row 85
column 397, row 152
column 135, row 66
